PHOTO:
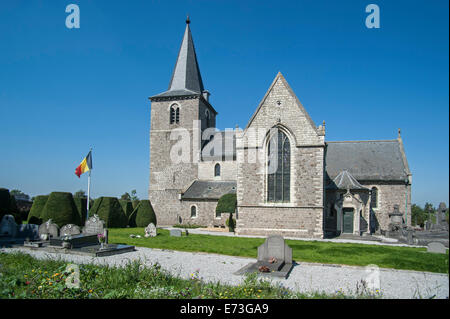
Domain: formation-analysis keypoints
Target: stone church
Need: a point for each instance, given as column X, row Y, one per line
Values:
column 288, row 179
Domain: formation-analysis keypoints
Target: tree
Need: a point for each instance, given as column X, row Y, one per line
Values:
column 18, row 194
column 227, row 204
column 125, row 196
column 133, row 195
column 80, row 194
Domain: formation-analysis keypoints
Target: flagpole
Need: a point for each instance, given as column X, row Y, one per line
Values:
column 88, row 195
column 89, row 190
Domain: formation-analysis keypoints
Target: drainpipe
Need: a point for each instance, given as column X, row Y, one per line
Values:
column 406, row 201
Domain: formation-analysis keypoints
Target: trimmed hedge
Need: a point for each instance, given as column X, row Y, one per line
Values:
column 8, row 206
column 80, row 203
column 4, row 202
column 227, row 204
column 34, row 217
column 127, row 207
column 142, row 215
column 110, row 211
column 61, row 209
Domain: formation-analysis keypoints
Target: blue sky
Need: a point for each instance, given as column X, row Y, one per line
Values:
column 64, row 90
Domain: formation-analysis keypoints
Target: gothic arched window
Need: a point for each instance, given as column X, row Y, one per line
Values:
column 217, row 170
column 174, row 114
column 374, row 197
column 208, row 119
column 279, row 168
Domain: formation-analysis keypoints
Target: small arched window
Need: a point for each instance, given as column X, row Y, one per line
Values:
column 174, row 114
column 193, row 212
column 374, row 197
column 217, row 170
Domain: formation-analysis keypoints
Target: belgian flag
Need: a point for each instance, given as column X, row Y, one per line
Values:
column 85, row 165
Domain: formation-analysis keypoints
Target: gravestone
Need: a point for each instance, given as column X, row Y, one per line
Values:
column 70, row 229
column 150, row 230
column 436, row 247
column 8, row 226
column 175, row 232
column 94, row 225
column 275, row 248
column 29, row 231
column 274, row 258
column 48, row 230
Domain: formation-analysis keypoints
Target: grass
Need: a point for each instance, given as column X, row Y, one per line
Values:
column 408, row 258
column 22, row 276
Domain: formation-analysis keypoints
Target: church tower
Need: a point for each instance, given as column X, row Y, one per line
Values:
column 178, row 116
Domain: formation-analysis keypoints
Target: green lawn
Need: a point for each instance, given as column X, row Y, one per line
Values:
column 308, row 251
column 23, row 277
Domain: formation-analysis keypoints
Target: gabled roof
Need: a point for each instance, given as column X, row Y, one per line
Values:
column 367, row 160
column 345, row 180
column 209, row 189
column 280, row 76
column 186, row 78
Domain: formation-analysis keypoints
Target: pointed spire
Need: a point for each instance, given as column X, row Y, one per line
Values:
column 186, row 74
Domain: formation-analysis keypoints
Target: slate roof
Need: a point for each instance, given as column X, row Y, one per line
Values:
column 345, row 180
column 367, row 160
column 186, row 78
column 209, row 189
column 221, row 147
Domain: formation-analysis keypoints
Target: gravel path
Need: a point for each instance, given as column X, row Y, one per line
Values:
column 305, row 277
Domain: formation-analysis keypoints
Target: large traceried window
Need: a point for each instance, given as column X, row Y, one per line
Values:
column 279, row 168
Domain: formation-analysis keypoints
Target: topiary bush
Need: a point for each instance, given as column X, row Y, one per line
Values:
column 61, row 209
column 143, row 215
column 127, row 207
column 110, row 211
column 8, row 206
column 227, row 204
column 4, row 202
column 80, row 203
column 34, row 217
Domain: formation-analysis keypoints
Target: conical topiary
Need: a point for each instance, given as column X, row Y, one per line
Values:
column 34, row 217
column 4, row 202
column 127, row 207
column 143, row 215
column 110, row 211
column 61, row 209
column 80, row 203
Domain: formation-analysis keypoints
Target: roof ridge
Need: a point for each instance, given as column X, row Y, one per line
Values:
column 362, row 141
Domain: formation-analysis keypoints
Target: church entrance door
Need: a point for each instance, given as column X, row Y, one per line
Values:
column 348, row 220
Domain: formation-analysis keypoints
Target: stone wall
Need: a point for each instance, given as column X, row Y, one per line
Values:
column 390, row 194
column 303, row 215
column 169, row 178
column 228, row 170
